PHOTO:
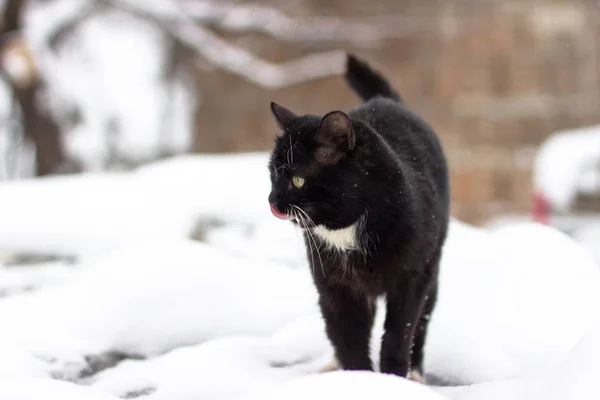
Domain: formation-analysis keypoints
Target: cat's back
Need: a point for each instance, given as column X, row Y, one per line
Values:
column 416, row 147
column 405, row 131
column 397, row 124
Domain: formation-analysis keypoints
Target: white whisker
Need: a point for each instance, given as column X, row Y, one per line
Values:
column 264, row 147
column 290, row 152
column 283, row 166
column 307, row 219
column 303, row 225
column 295, row 216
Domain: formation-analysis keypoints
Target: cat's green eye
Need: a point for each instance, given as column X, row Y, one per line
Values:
column 298, row 181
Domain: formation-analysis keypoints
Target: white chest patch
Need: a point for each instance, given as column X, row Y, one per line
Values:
column 341, row 239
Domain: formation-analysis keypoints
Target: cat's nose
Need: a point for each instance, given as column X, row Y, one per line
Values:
column 273, row 198
column 277, row 206
column 277, row 198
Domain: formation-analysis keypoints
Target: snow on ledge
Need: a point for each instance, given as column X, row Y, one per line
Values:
column 561, row 164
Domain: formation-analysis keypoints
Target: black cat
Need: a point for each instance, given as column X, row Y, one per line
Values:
column 370, row 190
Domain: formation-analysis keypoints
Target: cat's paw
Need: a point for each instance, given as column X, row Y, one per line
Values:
column 416, row 376
column 331, row 366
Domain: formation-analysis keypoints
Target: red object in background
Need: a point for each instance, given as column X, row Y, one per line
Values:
column 541, row 208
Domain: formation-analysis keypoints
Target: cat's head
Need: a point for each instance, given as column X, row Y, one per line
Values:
column 315, row 175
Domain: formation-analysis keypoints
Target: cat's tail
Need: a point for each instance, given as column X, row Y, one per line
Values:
column 367, row 82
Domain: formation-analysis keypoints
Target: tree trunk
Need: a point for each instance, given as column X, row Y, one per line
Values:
column 38, row 126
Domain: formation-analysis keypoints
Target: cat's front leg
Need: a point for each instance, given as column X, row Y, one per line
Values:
column 348, row 321
column 403, row 310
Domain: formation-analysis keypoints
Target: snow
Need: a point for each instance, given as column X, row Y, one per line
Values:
column 268, row 239
column 145, row 310
column 588, row 236
column 350, row 386
column 94, row 213
column 574, row 377
column 151, row 298
column 252, row 363
column 566, row 163
column 110, row 68
column 46, row 389
column 25, row 278
column 499, row 311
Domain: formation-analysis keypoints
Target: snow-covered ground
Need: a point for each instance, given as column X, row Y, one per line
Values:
column 589, row 237
column 179, row 284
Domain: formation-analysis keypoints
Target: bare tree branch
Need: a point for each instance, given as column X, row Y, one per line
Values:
column 68, row 25
column 272, row 22
column 256, row 70
column 232, row 58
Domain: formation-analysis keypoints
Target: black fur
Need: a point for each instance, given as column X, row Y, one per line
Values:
column 367, row 82
column 382, row 166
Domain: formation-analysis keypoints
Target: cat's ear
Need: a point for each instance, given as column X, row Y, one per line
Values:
column 335, row 136
column 283, row 116
column 336, row 131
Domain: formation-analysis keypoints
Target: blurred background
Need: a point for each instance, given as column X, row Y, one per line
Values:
column 92, row 85
column 138, row 254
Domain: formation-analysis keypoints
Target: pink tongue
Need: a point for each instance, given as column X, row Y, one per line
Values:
column 278, row 214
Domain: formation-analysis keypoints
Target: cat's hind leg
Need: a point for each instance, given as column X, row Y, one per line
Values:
column 420, row 336
column 405, row 305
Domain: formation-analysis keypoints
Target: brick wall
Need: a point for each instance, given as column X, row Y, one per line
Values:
column 494, row 78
